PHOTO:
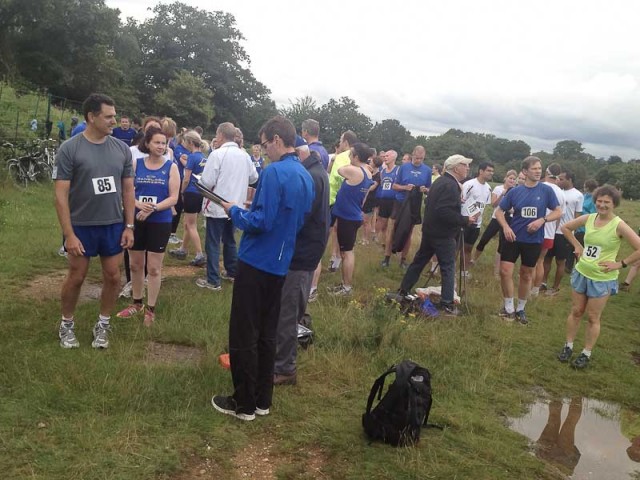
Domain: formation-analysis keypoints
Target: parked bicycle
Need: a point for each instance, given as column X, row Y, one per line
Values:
column 34, row 165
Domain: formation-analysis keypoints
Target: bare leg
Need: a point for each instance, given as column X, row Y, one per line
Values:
column 407, row 246
column 348, row 265
column 154, row 269
column 381, row 229
column 538, row 274
column 526, row 276
column 546, row 269
column 316, row 276
column 595, row 306
column 467, row 255
column 136, row 262
column 579, row 304
column 191, row 232
column 389, row 240
column 559, row 273
column 78, row 267
column 506, row 279
column 110, row 283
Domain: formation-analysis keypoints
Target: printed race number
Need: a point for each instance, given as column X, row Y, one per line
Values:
column 103, row 185
column 591, row 251
column 148, row 199
column 386, row 185
column 529, row 212
column 473, row 209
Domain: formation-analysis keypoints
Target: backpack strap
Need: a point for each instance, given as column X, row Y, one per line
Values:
column 377, row 387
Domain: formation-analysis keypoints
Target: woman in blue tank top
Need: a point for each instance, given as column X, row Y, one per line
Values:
column 157, row 185
column 348, row 210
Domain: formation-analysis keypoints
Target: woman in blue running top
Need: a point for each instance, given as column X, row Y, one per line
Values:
column 348, row 209
column 157, row 183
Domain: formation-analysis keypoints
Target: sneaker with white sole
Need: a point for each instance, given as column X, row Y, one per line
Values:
column 313, row 295
column 126, row 290
column 178, row 253
column 203, row 283
column 227, row 405
column 262, row 412
column 174, row 240
column 67, row 336
column 198, row 261
column 101, row 335
column 131, row 311
column 341, row 291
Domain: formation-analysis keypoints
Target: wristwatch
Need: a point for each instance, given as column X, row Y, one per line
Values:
column 130, row 226
column 155, row 207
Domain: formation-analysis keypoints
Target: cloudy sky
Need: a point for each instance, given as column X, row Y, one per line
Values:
column 542, row 72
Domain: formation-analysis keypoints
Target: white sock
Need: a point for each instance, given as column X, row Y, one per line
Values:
column 521, row 304
column 587, row 352
column 569, row 344
column 104, row 319
column 508, row 305
column 68, row 322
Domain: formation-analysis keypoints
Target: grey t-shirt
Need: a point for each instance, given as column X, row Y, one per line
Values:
column 95, row 172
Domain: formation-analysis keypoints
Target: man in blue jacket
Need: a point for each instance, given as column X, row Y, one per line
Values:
column 283, row 198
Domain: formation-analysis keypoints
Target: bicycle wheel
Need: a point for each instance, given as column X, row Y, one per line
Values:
column 43, row 172
column 16, row 173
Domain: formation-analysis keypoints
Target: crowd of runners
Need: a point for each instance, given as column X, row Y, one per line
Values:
column 123, row 191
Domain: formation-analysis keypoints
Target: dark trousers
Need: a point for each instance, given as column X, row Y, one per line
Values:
column 255, row 308
column 175, row 221
column 571, row 259
column 445, row 250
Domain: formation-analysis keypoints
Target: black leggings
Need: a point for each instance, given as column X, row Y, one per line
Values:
column 175, row 221
column 489, row 233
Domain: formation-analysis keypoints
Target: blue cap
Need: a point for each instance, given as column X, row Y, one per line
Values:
column 300, row 141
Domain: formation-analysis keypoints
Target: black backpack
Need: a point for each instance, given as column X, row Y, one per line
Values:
column 404, row 409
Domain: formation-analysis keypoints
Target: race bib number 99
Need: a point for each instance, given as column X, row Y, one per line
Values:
column 148, row 199
column 592, row 252
column 103, row 185
column 529, row 212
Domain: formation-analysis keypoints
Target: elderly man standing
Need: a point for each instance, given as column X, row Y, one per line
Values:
column 442, row 223
column 283, row 198
column 228, row 172
column 310, row 244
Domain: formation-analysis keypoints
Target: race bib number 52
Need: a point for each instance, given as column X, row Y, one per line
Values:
column 103, row 185
column 529, row 212
column 591, row 251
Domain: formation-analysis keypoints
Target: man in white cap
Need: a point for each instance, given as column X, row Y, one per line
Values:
column 442, row 223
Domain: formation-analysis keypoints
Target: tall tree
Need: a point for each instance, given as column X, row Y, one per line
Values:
column 205, row 44
column 187, row 100
column 389, row 134
column 568, row 149
column 300, row 110
column 337, row 116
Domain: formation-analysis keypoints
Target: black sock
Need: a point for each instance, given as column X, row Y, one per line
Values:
column 151, row 309
column 137, row 301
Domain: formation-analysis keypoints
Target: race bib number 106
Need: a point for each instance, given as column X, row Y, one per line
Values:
column 103, row 185
column 529, row 212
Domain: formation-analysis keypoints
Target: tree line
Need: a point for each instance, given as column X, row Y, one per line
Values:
column 189, row 64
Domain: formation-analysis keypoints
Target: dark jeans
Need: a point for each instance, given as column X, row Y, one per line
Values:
column 255, row 308
column 220, row 229
column 445, row 250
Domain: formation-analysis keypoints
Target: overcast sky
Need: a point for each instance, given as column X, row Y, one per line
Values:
column 542, row 72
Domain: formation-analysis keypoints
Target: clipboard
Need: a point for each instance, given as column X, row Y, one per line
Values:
column 207, row 192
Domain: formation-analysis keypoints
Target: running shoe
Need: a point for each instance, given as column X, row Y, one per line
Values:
column 335, row 264
column 225, row 276
column 313, row 295
column 581, row 362
column 178, row 253
column 174, row 240
column 341, row 291
column 521, row 317
column 551, row 292
column 565, row 355
column 199, row 261
column 227, row 405
column 448, row 310
column 101, row 335
column 203, row 283
column 508, row 316
column 404, row 265
column 149, row 317
column 126, row 290
column 67, row 336
column 131, row 311
column 384, row 263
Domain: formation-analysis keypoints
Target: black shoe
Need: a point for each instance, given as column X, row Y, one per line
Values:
column 565, row 355
column 581, row 362
column 227, row 405
column 509, row 317
column 282, row 379
column 384, row 263
column 448, row 309
column 522, row 317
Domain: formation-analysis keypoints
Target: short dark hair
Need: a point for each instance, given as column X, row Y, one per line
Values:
column 484, row 166
column 312, row 127
column 122, row 117
column 528, row 162
column 280, row 126
column 610, row 191
column 349, row 137
column 362, row 151
column 148, row 135
column 568, row 174
column 93, row 104
column 553, row 170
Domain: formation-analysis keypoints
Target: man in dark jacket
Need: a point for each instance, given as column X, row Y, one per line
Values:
column 440, row 229
column 310, row 244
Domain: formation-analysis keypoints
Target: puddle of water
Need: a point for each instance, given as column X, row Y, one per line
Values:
column 582, row 438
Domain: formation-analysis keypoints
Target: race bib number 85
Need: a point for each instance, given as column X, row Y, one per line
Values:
column 529, row 212
column 103, row 185
column 591, row 251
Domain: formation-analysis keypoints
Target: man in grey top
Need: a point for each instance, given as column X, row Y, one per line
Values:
column 228, row 172
column 93, row 185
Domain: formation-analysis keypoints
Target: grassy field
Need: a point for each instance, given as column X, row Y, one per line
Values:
column 127, row 414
